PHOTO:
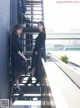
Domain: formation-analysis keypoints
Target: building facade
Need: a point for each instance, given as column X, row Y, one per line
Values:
column 8, row 19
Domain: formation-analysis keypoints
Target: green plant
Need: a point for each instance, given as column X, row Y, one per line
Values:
column 64, row 59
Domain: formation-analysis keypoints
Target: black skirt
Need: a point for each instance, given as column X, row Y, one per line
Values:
column 19, row 69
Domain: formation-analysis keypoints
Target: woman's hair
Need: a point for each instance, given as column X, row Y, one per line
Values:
column 42, row 23
column 17, row 27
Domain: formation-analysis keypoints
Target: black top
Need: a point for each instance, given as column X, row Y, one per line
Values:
column 40, row 41
column 39, row 47
column 16, row 45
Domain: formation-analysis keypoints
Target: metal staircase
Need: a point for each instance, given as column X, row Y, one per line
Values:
column 34, row 14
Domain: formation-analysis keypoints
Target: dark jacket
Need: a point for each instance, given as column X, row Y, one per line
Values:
column 39, row 48
column 16, row 45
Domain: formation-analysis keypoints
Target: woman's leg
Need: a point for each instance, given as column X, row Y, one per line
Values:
column 32, row 69
column 37, row 76
column 33, row 72
column 17, row 86
column 34, row 57
column 17, row 79
column 38, row 70
column 17, row 83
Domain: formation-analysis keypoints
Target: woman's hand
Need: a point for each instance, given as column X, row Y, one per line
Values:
column 36, row 52
column 22, row 55
column 25, row 59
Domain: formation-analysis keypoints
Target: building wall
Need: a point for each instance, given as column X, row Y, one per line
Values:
column 4, row 30
column 8, row 19
column 13, row 13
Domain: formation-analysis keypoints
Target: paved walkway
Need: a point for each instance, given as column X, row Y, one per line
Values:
column 66, row 94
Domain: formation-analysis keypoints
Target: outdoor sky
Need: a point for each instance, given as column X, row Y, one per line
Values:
column 62, row 17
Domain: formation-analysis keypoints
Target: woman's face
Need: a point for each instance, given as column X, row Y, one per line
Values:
column 40, row 27
column 19, row 31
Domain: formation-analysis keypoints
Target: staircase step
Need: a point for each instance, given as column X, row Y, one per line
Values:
column 33, row 15
column 26, row 103
column 30, row 29
column 34, row 22
column 33, row 5
column 32, row 89
column 33, row 10
column 27, row 98
column 33, row 2
column 27, row 95
column 29, row 89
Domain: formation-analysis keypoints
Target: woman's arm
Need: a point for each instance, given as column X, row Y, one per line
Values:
column 22, row 55
column 17, row 49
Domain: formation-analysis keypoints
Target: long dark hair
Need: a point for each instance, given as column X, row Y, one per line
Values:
column 42, row 23
column 17, row 27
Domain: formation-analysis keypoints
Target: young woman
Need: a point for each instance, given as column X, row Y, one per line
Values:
column 17, row 56
column 38, row 53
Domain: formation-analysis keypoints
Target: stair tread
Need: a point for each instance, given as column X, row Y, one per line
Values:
column 33, row 2
column 32, row 95
column 29, row 90
column 34, row 10
column 33, row 5
column 26, row 98
column 33, row 14
column 17, row 95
